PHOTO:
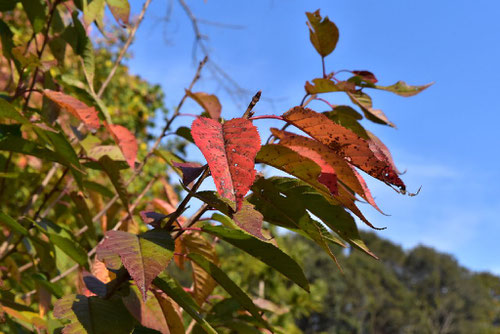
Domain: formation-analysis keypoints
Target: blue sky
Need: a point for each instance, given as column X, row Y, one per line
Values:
column 446, row 137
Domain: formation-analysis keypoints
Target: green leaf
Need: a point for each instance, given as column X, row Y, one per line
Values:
column 55, row 289
column 287, row 211
column 232, row 288
column 57, row 46
column 94, row 11
column 12, row 224
column 322, row 85
column 334, row 216
column 6, row 39
column 20, row 145
column 9, row 112
column 93, row 315
column 364, row 101
column 89, row 62
column 110, row 168
column 401, row 88
column 35, row 10
column 71, row 248
column 264, row 251
column 181, row 297
column 185, row 133
column 83, row 210
column 98, row 188
column 323, row 33
column 144, row 256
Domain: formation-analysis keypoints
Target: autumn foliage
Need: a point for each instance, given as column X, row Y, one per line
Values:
column 92, row 246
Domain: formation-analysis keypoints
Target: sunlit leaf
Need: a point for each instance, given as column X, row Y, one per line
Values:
column 210, row 103
column 323, row 33
column 126, row 141
column 230, row 151
column 365, row 103
column 88, row 115
column 401, row 88
column 120, row 10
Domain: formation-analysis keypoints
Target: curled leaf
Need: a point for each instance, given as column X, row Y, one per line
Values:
column 210, row 103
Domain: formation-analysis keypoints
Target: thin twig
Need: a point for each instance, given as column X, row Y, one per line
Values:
column 248, row 113
column 124, row 49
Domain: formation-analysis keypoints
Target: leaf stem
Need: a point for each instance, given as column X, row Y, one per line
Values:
column 266, row 117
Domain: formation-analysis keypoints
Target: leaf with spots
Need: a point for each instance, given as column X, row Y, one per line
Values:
column 343, row 142
column 230, row 151
column 126, row 142
column 88, row 115
column 321, row 85
column 210, row 103
column 144, row 256
column 120, row 10
column 327, row 160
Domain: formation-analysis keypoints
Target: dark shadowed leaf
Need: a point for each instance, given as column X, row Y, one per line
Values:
column 232, row 288
column 264, row 251
column 190, row 171
column 93, row 315
column 35, row 10
column 144, row 256
column 181, row 297
column 366, row 76
column 230, row 151
column 110, row 168
column 152, row 218
column 94, row 284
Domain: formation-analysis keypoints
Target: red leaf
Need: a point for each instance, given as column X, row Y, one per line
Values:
column 230, row 150
column 250, row 220
column 344, row 143
column 88, row 115
column 210, row 103
column 126, row 141
column 366, row 75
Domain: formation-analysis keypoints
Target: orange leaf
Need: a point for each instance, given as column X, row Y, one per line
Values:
column 126, row 141
column 343, row 142
column 88, row 115
column 210, row 103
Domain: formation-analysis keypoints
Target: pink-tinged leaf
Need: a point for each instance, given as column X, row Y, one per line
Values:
column 144, row 256
column 250, row 220
column 318, row 153
column 230, row 151
column 381, row 151
column 367, row 195
column 343, row 142
column 190, row 171
column 126, row 141
column 366, row 76
column 163, row 206
column 88, row 115
column 210, row 103
column 120, row 10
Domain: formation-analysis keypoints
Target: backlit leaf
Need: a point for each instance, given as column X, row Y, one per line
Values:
column 344, row 143
column 148, row 313
column 230, row 151
column 171, row 312
column 144, row 256
column 365, row 103
column 264, row 251
column 110, row 168
column 210, row 103
column 71, row 248
column 321, row 85
column 401, row 88
column 120, row 10
column 88, row 115
column 126, row 141
column 93, row 315
column 323, row 33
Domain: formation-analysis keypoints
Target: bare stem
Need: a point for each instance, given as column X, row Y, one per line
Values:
column 124, row 49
